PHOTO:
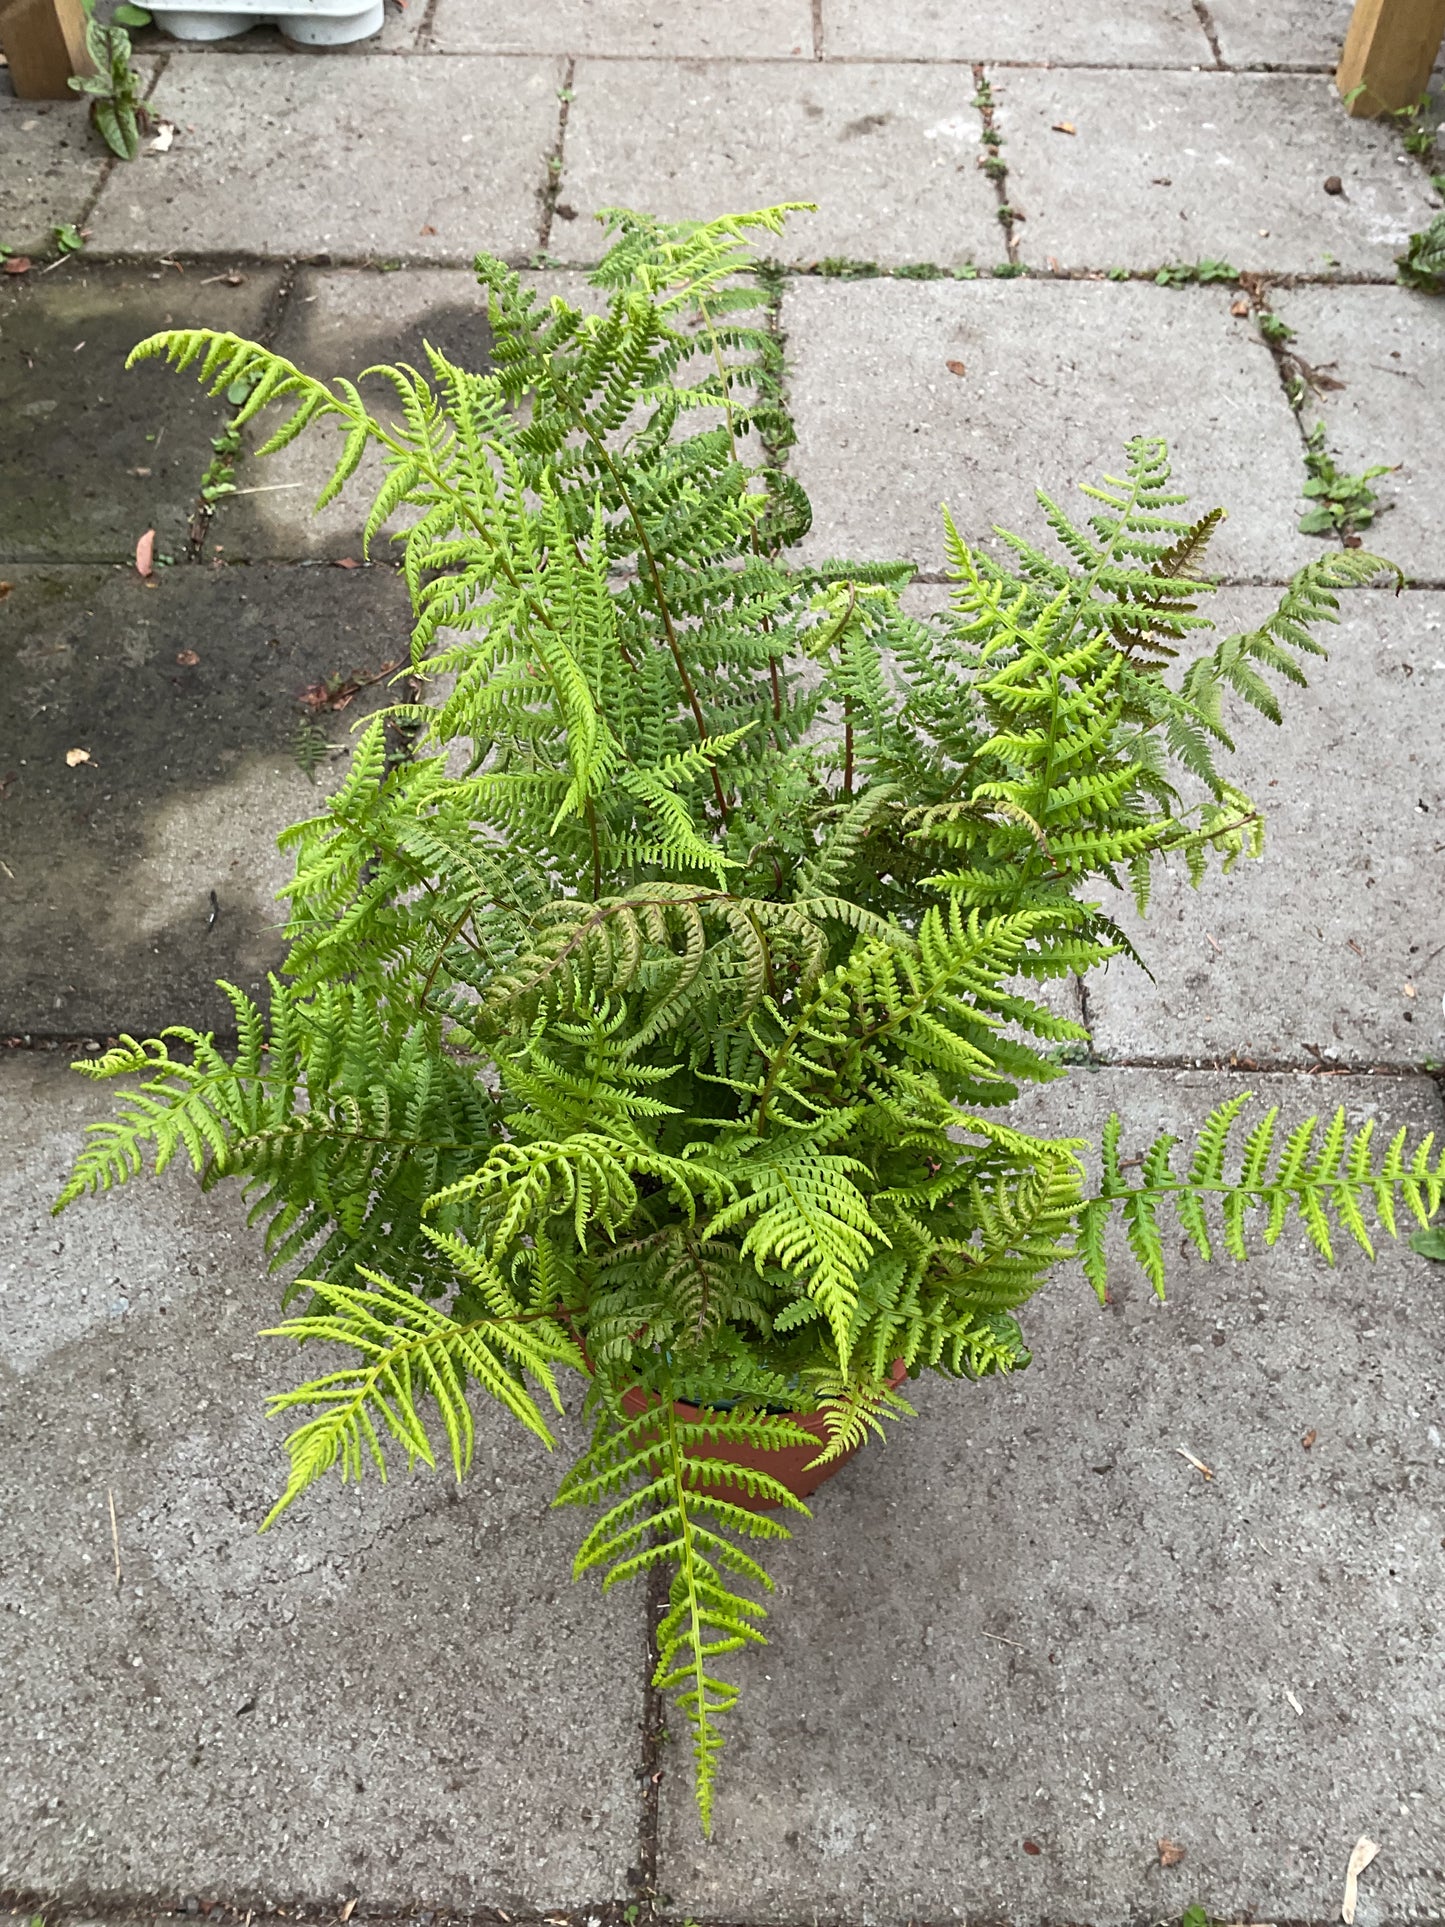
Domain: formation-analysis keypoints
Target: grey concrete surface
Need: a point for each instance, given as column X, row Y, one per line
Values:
column 1208, row 166
column 1057, row 376
column 357, row 158
column 1332, row 947
column 1384, row 345
column 92, row 454
column 1291, row 33
column 192, row 772
column 50, row 166
column 748, row 30
column 1026, row 1639
column 889, row 154
column 1145, row 33
column 397, row 1691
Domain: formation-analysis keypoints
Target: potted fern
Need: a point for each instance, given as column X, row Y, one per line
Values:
column 656, row 994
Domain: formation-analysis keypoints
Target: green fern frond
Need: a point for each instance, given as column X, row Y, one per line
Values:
column 1322, row 1177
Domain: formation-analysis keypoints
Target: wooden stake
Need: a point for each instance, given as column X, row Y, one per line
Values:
column 1389, row 52
column 44, row 42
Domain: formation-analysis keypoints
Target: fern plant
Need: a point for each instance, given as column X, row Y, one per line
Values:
column 657, row 1012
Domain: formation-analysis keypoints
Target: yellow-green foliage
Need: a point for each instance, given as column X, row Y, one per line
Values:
column 660, row 1010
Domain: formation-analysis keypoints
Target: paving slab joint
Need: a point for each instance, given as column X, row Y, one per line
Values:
column 556, row 161
column 992, row 160
column 643, row 1877
column 1206, row 22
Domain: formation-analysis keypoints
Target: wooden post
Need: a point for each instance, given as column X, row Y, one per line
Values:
column 1389, row 52
column 44, row 43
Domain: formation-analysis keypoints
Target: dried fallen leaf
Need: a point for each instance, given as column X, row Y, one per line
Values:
column 74, row 756
column 5, row 588
column 1363, row 1853
column 956, row 367
column 1240, row 307
column 1309, row 1438
column 1170, row 1853
column 428, row 229
column 18, row 264
column 145, row 554
column 346, row 562
column 349, row 1909
column 137, row 471
column 1409, row 990
column 165, row 134
column 1032, row 1846
column 1065, row 127
column 188, row 657
column 1198, row 1464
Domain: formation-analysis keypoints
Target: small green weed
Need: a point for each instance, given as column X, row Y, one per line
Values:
column 1009, row 271
column 68, row 238
column 114, row 89
column 1343, row 503
column 920, row 271
column 839, row 267
column 1275, row 331
column 1185, row 274
column 1118, row 274
column 310, row 746
column 1422, row 265
column 1194, row 1917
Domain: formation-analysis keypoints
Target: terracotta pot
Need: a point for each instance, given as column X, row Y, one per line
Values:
column 790, row 1465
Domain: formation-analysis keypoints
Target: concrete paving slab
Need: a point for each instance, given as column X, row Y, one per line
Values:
column 1384, row 344
column 749, row 29
column 1058, row 375
column 890, row 154
column 50, row 166
column 110, row 865
column 1332, row 947
column 397, row 1692
column 1291, row 33
column 1143, row 33
column 1207, row 166
column 92, row 456
column 1026, row 1640
column 430, row 160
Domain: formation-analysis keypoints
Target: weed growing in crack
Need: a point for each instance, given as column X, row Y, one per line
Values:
column 839, row 267
column 1184, row 274
column 1343, row 503
column 1422, row 265
column 1275, row 331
